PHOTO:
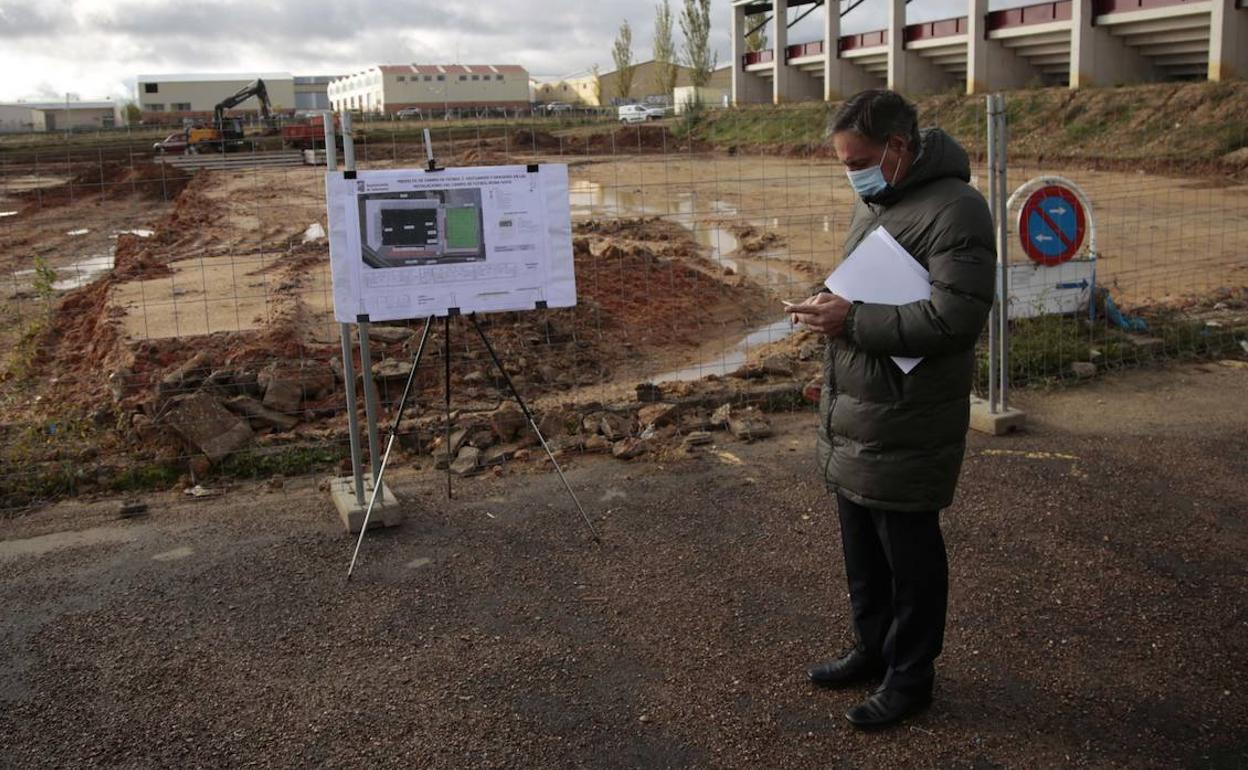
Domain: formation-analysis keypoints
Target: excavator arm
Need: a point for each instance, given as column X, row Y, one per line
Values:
column 256, row 89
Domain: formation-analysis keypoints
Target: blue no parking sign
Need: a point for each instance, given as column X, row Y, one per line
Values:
column 1052, row 225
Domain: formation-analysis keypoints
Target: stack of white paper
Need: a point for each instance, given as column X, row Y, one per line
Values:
column 880, row 271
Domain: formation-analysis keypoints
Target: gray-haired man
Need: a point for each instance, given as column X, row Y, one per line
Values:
column 891, row 444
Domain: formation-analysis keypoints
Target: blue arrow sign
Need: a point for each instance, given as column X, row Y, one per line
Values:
column 1052, row 226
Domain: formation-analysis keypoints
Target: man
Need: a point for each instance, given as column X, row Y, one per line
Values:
column 891, row 444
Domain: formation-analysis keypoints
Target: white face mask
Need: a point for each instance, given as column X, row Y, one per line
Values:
column 869, row 182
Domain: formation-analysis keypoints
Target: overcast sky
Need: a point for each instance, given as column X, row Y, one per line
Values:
column 94, row 48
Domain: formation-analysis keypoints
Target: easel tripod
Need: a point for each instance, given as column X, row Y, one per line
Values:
column 407, row 390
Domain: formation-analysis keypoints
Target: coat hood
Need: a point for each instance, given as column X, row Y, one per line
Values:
column 940, row 156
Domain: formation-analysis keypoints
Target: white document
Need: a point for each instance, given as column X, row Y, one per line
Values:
column 881, row 271
column 411, row 243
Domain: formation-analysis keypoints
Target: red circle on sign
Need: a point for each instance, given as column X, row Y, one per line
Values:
column 1035, row 223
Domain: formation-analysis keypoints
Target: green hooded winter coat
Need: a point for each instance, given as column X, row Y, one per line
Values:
column 890, row 440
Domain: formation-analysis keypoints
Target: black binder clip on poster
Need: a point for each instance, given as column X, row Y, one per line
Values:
column 392, row 433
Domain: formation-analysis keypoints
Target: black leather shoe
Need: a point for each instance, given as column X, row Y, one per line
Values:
column 854, row 667
column 888, row 707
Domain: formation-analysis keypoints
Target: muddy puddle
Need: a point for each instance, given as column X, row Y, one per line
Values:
column 78, row 273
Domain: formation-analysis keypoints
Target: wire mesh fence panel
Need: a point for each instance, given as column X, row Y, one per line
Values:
column 1161, row 272
column 170, row 317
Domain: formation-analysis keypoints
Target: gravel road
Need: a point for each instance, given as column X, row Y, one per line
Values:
column 1097, row 616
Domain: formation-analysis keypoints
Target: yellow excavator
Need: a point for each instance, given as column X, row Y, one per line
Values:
column 226, row 134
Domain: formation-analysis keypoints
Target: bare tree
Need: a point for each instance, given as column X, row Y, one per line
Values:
column 665, row 67
column 756, row 40
column 597, row 85
column 622, row 53
column 695, row 24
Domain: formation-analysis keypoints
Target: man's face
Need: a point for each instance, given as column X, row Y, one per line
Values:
column 857, row 152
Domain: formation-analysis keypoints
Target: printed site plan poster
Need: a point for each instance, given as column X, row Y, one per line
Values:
column 413, row 243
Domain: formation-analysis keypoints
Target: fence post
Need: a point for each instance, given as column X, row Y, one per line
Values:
column 331, row 143
column 994, row 206
column 348, row 358
column 1003, row 254
column 371, row 408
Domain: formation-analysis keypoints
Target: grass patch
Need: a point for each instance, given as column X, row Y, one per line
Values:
column 281, row 461
column 798, row 125
column 1043, row 349
column 1083, row 129
column 145, row 478
column 21, row 363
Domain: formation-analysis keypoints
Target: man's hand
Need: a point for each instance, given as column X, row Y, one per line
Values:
column 824, row 312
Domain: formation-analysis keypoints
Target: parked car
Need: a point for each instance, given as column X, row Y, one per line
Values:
column 409, row 112
column 172, row 143
column 554, row 107
column 639, row 113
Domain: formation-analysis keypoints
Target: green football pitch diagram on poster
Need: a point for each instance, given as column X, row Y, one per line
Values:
column 413, row 243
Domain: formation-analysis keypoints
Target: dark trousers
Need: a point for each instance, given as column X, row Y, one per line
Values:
column 898, row 589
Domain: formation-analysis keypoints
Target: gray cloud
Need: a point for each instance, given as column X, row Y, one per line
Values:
column 96, row 47
column 28, row 19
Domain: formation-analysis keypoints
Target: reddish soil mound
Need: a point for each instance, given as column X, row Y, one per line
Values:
column 635, row 298
column 112, row 179
column 643, row 229
column 192, row 211
column 527, row 139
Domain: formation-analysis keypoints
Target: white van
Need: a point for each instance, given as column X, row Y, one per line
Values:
column 639, row 113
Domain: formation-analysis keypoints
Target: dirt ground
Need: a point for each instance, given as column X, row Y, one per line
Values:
column 1097, row 616
column 235, row 255
column 1159, row 238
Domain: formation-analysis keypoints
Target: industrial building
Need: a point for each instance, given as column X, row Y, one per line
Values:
column 22, row 117
column 579, row 89
column 1076, row 43
column 576, row 89
column 389, row 88
column 174, row 97
column 312, row 92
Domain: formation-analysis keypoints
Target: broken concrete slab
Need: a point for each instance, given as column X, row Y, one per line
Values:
column 614, row 426
column 508, row 422
column 629, row 448
column 389, row 334
column 249, row 407
column 458, row 438
column 564, row 443
column 778, row 365
column 482, row 437
column 1083, row 369
column 283, row 396
column 392, row 369
column 995, row 423
column 203, row 422
column 498, row 455
column 698, row 438
column 467, row 462
column 597, row 443
column 558, row 423
column 658, row 415
column 285, row 387
column 749, row 424
column 187, row 376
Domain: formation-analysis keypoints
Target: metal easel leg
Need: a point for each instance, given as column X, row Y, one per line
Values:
column 394, row 431
column 533, row 424
column 446, row 360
